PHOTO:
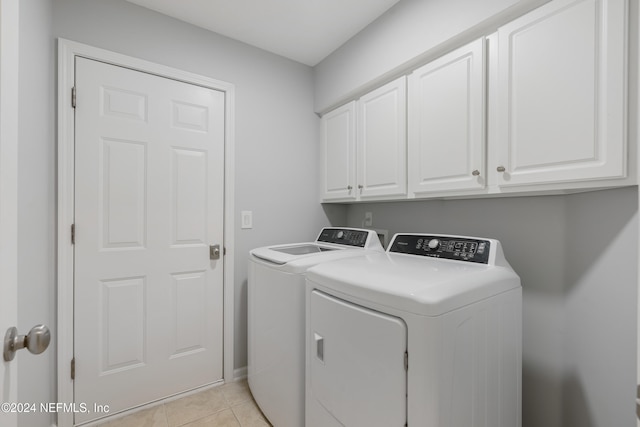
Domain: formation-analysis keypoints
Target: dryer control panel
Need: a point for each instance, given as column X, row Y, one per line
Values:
column 344, row 236
column 447, row 247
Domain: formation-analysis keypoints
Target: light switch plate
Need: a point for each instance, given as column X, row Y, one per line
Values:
column 246, row 219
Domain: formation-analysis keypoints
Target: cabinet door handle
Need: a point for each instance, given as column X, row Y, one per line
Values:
column 349, row 187
column 475, row 173
column 360, row 186
column 500, row 169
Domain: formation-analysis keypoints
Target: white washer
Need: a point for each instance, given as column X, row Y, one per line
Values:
column 427, row 334
column 276, row 315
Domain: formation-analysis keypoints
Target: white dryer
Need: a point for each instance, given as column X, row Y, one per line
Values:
column 427, row 334
column 276, row 317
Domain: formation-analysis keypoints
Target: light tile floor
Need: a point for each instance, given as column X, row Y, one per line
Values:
column 230, row 405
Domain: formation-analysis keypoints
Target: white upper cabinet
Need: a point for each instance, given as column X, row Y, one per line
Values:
column 560, row 98
column 446, row 146
column 538, row 106
column 364, row 146
column 338, row 170
column 382, row 141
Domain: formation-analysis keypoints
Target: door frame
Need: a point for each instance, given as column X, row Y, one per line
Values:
column 9, row 132
column 67, row 52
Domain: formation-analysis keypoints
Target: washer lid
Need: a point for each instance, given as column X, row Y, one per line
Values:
column 421, row 285
column 331, row 244
column 302, row 249
column 284, row 254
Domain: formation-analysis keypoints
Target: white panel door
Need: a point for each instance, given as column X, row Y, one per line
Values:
column 356, row 364
column 148, row 203
column 339, row 153
column 446, row 122
column 561, row 94
column 9, row 23
column 382, row 141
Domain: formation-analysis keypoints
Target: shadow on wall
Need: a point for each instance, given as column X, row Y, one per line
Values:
column 600, row 309
column 600, row 229
column 543, row 386
column 240, row 339
column 576, row 400
column 336, row 214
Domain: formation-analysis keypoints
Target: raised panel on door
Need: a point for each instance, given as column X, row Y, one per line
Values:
column 148, row 203
column 446, row 145
column 561, row 94
column 357, row 370
column 339, row 153
column 382, row 141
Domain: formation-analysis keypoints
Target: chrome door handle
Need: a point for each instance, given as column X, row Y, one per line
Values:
column 36, row 341
column 214, row 252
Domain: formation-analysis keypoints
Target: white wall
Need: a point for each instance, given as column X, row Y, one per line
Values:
column 576, row 256
column 409, row 34
column 600, row 309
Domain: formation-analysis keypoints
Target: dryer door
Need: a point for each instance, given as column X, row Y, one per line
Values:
column 357, row 366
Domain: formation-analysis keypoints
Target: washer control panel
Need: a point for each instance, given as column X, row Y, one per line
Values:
column 343, row 236
column 447, row 247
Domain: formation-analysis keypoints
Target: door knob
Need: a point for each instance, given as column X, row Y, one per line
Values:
column 36, row 341
column 214, row 252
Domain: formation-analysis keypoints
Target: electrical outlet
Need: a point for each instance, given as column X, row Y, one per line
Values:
column 246, row 219
column 368, row 219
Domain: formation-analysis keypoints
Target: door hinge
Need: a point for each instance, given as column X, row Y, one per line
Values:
column 73, row 368
column 73, row 97
column 73, row 234
column 406, row 361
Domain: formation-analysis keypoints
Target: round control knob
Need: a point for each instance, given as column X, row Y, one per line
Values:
column 434, row 244
column 340, row 234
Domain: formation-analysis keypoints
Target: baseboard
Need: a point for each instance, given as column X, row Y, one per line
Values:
column 240, row 374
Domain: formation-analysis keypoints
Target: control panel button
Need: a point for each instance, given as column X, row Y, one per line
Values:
column 434, row 244
column 357, row 238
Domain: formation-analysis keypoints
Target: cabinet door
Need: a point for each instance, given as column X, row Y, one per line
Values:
column 561, row 94
column 339, row 153
column 446, row 122
column 382, row 142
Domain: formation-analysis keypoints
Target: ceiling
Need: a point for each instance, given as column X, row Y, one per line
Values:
column 305, row 31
